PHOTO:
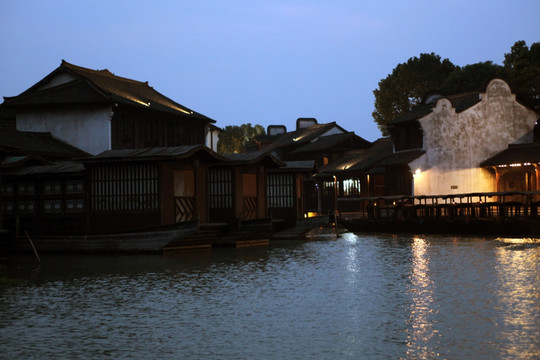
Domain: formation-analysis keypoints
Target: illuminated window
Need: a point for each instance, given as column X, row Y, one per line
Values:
column 325, row 160
column 351, row 187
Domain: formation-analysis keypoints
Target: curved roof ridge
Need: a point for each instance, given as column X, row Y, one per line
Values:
column 102, row 72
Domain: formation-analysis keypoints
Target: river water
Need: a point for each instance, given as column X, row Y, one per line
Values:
column 354, row 297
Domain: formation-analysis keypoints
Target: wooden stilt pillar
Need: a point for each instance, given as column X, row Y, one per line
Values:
column 537, row 177
column 497, row 179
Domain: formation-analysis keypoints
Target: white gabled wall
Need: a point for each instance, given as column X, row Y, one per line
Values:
column 212, row 138
column 88, row 129
column 333, row 131
column 457, row 143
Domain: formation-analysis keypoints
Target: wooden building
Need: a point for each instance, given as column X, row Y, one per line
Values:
column 35, row 161
column 355, row 174
column 237, row 189
column 141, row 188
column 96, row 111
column 440, row 145
column 516, row 168
column 312, row 146
column 310, row 141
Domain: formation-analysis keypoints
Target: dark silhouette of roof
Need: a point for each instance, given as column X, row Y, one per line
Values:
column 516, row 154
column 99, row 86
column 300, row 136
column 460, row 102
column 360, row 159
column 62, row 167
column 155, row 153
column 330, row 142
column 402, row 158
column 36, row 143
column 252, row 158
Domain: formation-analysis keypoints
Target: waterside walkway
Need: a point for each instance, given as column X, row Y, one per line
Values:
column 514, row 213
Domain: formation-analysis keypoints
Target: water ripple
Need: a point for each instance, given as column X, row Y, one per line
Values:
column 353, row 297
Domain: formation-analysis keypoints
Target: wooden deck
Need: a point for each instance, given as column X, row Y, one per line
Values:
column 492, row 213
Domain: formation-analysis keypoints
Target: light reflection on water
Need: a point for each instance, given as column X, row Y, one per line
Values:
column 366, row 297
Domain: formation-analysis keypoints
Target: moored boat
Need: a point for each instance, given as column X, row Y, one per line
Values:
column 144, row 240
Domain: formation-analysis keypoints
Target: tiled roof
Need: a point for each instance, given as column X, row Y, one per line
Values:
column 305, row 165
column 516, row 154
column 300, row 136
column 176, row 152
column 460, row 102
column 100, row 86
column 331, row 141
column 359, row 160
column 251, row 158
column 57, row 168
column 402, row 158
column 42, row 144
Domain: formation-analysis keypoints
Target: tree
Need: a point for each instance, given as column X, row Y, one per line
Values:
column 471, row 77
column 404, row 88
column 235, row 139
column 522, row 67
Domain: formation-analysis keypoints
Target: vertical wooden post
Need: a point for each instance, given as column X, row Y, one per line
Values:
column 537, row 180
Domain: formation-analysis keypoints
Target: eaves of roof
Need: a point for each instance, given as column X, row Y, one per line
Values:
column 401, row 158
column 515, row 154
column 115, row 89
column 251, row 158
column 79, row 91
column 300, row 136
column 360, row 159
column 292, row 166
column 65, row 167
column 43, row 144
column 331, row 141
column 460, row 102
column 158, row 153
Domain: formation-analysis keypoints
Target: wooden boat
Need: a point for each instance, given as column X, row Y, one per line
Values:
column 142, row 241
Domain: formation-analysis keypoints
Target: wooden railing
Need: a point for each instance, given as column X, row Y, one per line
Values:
column 184, row 208
column 474, row 205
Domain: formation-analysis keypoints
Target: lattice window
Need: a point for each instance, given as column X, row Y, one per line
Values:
column 52, row 206
column 75, row 206
column 27, row 207
column 280, row 190
column 351, row 187
column 26, row 188
column 74, row 187
column 52, row 188
column 328, row 187
column 8, row 189
column 131, row 187
column 220, row 188
column 8, row 207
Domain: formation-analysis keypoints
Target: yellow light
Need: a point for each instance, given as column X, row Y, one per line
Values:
column 418, row 171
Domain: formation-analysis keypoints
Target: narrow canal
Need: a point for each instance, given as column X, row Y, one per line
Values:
column 355, row 297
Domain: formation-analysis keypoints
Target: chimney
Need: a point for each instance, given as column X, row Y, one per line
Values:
column 302, row 123
column 276, row 129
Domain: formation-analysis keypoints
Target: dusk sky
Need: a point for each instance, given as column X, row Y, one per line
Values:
column 258, row 62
